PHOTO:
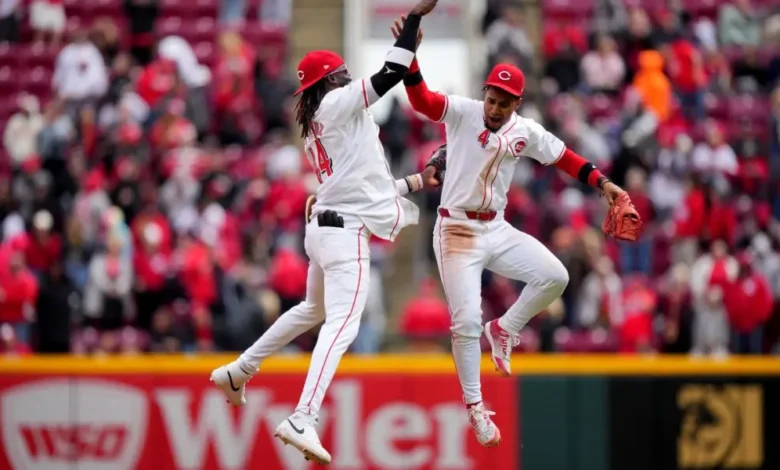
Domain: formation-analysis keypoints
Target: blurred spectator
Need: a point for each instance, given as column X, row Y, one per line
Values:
column 107, row 297
column 652, row 85
column 714, row 156
column 774, row 140
column 196, row 272
column 610, row 16
column 738, row 24
column 603, row 69
column 600, row 298
column 717, row 71
column 748, row 71
column 169, row 333
column 157, row 81
column 18, row 290
column 141, row 16
column 234, row 95
column 767, row 261
column 80, row 74
column 105, row 35
column 677, row 311
column 195, row 76
column 395, row 134
column 563, row 69
column 686, row 69
column 57, row 310
column 635, row 325
column 667, row 182
column 508, row 34
column 638, row 256
column 10, row 344
column 586, row 140
column 47, row 18
column 44, row 250
column 55, row 136
column 637, row 136
column 9, row 20
column 749, row 304
column 425, row 320
column 20, row 137
column 287, row 277
column 711, row 275
column 637, row 39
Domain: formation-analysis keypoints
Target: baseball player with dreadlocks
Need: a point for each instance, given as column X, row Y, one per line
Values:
column 485, row 139
column 357, row 197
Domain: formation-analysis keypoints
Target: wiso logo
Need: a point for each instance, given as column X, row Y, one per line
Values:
column 56, row 424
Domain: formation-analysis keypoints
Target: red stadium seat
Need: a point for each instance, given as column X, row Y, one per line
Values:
column 205, row 29
column 716, row 106
column 9, row 83
column 169, row 26
column 748, row 107
column 8, row 55
column 37, row 81
column 206, row 8
column 36, row 55
column 204, row 51
column 568, row 9
column 699, row 8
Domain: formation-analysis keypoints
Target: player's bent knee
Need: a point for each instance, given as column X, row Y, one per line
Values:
column 468, row 328
column 558, row 280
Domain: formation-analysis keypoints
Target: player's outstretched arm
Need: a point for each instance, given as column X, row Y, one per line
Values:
column 578, row 167
column 344, row 102
column 400, row 57
column 430, row 104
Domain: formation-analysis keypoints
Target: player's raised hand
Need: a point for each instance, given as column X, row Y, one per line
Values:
column 398, row 25
column 424, row 7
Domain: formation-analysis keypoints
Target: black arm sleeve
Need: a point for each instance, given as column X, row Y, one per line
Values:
column 392, row 72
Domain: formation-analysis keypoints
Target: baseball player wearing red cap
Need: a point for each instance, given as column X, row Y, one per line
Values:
column 357, row 197
column 484, row 141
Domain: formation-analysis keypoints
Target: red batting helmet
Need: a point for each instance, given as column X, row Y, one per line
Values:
column 507, row 77
column 314, row 66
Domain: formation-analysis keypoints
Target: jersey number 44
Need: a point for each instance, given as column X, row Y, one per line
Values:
column 322, row 164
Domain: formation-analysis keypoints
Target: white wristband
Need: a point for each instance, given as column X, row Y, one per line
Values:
column 415, row 182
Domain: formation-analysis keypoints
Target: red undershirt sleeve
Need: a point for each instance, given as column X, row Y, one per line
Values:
column 577, row 167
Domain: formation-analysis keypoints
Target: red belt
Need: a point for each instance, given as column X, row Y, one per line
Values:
column 472, row 215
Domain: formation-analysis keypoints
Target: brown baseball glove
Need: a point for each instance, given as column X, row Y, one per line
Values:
column 622, row 221
column 309, row 203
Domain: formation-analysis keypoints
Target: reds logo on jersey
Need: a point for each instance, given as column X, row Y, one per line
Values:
column 518, row 145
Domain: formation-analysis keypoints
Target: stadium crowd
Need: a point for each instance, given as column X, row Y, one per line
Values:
column 152, row 192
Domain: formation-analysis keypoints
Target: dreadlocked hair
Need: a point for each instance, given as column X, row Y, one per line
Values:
column 307, row 106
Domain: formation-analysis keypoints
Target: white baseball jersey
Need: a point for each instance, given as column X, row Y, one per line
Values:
column 348, row 158
column 480, row 163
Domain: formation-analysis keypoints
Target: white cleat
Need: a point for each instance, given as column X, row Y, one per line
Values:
column 299, row 431
column 231, row 380
column 485, row 429
column 501, row 343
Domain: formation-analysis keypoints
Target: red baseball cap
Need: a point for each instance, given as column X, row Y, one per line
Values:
column 314, row 66
column 507, row 77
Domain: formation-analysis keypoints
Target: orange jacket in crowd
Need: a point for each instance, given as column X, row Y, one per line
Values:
column 652, row 84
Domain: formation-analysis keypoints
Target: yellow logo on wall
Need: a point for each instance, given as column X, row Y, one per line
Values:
column 722, row 427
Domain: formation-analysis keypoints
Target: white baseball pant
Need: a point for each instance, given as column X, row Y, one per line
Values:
column 336, row 291
column 464, row 248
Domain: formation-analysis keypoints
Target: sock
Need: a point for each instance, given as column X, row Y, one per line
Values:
column 532, row 300
column 468, row 356
column 286, row 328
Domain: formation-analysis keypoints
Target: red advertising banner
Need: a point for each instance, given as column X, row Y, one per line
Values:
column 180, row 422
